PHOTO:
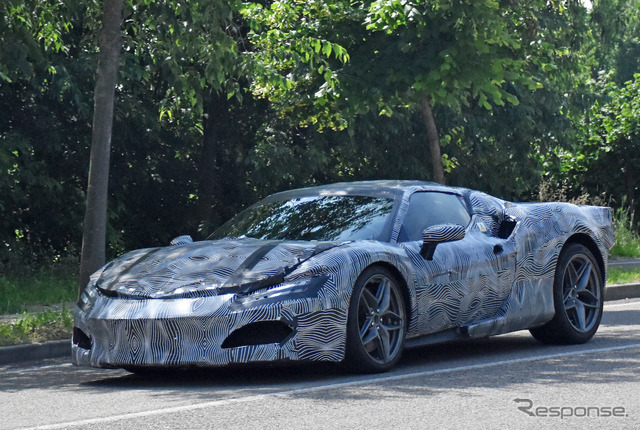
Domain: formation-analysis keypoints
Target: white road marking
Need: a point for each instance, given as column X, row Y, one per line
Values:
column 362, row 381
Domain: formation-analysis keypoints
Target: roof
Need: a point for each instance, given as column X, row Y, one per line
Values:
column 375, row 187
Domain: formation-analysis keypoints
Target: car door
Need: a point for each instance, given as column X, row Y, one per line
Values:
column 467, row 280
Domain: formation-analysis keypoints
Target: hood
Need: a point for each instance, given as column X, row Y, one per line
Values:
column 205, row 268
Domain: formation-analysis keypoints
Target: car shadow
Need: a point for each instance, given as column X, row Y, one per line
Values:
column 292, row 374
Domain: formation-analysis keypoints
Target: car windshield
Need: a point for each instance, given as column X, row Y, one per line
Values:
column 327, row 217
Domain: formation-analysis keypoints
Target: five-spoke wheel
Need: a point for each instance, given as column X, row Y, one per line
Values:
column 578, row 298
column 377, row 322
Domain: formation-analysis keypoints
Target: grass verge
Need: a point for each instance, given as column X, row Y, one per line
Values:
column 38, row 327
column 21, row 293
column 627, row 240
column 622, row 276
column 47, row 287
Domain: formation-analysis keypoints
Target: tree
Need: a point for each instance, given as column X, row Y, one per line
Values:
column 29, row 31
column 615, row 29
column 608, row 162
column 412, row 54
column 192, row 59
column 43, row 130
column 95, row 219
column 195, row 51
column 171, row 78
column 602, row 155
column 340, row 87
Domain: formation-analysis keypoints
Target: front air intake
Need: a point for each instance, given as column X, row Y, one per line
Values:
column 80, row 339
column 259, row 333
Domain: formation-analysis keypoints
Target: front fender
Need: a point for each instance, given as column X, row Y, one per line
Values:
column 345, row 263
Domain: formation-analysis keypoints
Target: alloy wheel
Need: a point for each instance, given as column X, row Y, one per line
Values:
column 381, row 318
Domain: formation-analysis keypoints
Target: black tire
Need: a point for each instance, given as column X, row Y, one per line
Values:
column 376, row 323
column 578, row 296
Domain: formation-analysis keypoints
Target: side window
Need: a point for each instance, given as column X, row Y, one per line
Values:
column 431, row 208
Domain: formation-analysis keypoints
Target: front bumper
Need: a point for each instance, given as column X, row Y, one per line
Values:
column 206, row 331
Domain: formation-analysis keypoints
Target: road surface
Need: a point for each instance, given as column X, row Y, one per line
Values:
column 505, row 381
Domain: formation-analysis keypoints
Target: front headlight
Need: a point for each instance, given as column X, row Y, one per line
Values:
column 88, row 296
column 90, row 293
column 288, row 290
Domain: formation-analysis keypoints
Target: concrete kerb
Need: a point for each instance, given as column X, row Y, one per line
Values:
column 35, row 351
column 60, row 348
column 624, row 263
column 621, row 291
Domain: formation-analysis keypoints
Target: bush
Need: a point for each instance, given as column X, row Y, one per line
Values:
column 627, row 240
column 39, row 327
column 45, row 287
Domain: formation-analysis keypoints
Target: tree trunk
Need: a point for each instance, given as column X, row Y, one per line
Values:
column 631, row 182
column 207, row 178
column 434, row 140
column 95, row 218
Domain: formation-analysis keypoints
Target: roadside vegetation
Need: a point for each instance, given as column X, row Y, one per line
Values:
column 627, row 240
column 47, row 286
column 211, row 114
column 36, row 306
column 37, row 327
column 623, row 276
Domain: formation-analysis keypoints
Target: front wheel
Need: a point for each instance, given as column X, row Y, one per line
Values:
column 578, row 294
column 376, row 323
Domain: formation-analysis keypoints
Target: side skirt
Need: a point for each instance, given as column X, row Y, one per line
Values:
column 448, row 335
column 529, row 305
column 473, row 331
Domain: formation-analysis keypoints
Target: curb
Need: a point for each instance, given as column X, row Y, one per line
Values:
column 60, row 348
column 35, row 351
column 624, row 263
column 621, row 291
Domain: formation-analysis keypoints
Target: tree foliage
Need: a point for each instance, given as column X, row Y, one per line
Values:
column 616, row 36
column 456, row 52
column 408, row 55
column 607, row 163
column 216, row 108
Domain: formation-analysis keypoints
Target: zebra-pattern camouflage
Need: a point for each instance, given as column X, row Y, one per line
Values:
column 203, row 303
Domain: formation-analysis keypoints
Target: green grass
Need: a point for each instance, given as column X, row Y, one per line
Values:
column 25, row 294
column 18, row 292
column 627, row 240
column 627, row 244
column 622, row 276
column 38, row 327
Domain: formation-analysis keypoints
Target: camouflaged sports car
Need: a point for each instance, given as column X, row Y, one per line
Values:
column 352, row 273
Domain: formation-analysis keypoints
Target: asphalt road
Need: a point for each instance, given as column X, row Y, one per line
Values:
column 470, row 385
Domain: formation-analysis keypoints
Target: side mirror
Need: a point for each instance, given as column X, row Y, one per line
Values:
column 432, row 236
column 181, row 240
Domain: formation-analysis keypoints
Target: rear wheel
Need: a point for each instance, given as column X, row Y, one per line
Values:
column 377, row 322
column 578, row 294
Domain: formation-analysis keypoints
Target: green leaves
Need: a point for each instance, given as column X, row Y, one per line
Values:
column 310, row 91
column 29, row 32
column 616, row 122
column 479, row 56
column 459, row 53
column 295, row 57
column 606, row 154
